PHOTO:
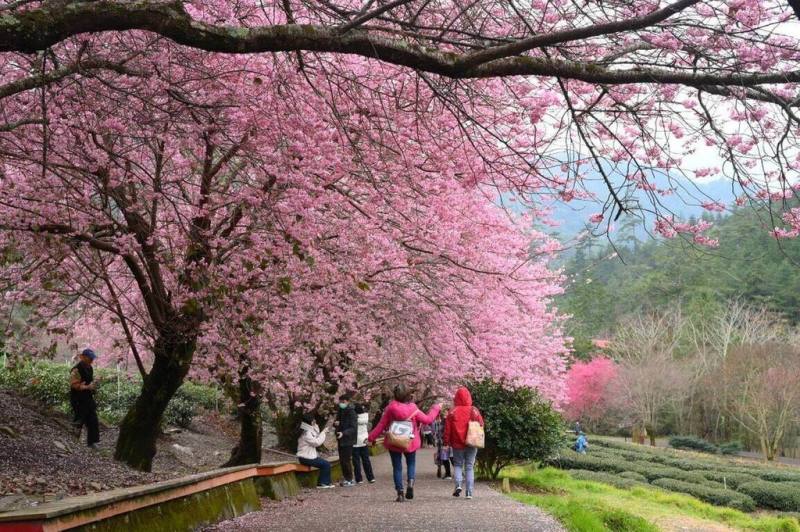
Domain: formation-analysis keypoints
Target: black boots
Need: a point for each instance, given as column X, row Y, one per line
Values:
column 410, row 490
column 400, row 497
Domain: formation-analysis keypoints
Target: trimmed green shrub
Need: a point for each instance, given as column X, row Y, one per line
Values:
column 779, row 475
column 690, row 465
column 776, row 495
column 653, row 471
column 731, row 447
column 729, row 479
column 692, row 443
column 633, row 475
column 606, row 478
column 716, row 496
column 569, row 459
column 686, row 476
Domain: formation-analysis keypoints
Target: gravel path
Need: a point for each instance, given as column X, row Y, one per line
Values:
column 371, row 507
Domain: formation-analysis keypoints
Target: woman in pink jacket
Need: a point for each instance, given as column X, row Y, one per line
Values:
column 402, row 409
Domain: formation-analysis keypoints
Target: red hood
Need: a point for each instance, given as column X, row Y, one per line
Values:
column 462, row 398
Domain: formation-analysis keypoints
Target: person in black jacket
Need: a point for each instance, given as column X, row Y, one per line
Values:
column 81, row 396
column 346, row 431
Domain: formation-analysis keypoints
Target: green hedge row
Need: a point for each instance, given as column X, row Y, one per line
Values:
column 712, row 495
column 617, row 481
column 48, row 383
column 776, row 495
column 692, row 443
column 611, row 449
column 712, row 481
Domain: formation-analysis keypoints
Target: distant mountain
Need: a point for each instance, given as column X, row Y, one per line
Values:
column 684, row 202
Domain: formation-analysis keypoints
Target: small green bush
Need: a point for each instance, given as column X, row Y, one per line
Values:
column 731, row 447
column 520, row 425
column 622, row 521
column 716, row 496
column 692, row 443
column 783, row 496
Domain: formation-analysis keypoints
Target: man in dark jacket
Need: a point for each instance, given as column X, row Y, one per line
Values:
column 81, row 396
column 346, row 431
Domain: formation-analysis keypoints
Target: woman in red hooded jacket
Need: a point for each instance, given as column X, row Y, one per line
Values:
column 455, row 436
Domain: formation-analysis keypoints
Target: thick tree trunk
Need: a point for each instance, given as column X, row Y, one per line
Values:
column 287, row 428
column 248, row 450
column 139, row 430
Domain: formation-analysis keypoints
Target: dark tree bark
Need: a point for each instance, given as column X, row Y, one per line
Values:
column 37, row 29
column 141, row 426
column 248, row 450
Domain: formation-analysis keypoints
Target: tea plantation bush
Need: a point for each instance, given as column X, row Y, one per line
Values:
column 48, row 383
column 731, row 480
column 713, row 480
column 776, row 495
column 731, row 447
column 719, row 497
column 633, row 475
column 692, row 443
column 606, row 478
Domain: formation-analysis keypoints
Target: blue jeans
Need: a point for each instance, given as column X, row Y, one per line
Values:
column 397, row 467
column 324, row 469
column 464, row 459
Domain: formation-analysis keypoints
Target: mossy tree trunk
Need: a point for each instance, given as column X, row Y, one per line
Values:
column 248, row 450
column 141, row 426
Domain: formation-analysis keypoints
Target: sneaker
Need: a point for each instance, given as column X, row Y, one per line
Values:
column 94, row 446
column 325, row 486
column 360, row 482
column 372, row 481
column 457, row 493
column 469, row 495
column 347, row 484
column 448, row 478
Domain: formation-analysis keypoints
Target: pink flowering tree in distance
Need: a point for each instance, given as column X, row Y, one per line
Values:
column 589, row 389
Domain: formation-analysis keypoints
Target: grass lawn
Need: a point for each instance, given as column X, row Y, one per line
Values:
column 585, row 506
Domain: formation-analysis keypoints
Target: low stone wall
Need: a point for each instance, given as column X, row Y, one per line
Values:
column 186, row 513
column 174, row 505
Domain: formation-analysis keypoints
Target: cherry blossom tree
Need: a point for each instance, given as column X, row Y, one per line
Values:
column 589, row 387
column 324, row 233
column 632, row 94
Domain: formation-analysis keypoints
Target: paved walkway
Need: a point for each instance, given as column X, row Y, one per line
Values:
column 371, row 507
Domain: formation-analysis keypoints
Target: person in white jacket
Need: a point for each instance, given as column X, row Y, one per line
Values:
column 311, row 438
column 360, row 449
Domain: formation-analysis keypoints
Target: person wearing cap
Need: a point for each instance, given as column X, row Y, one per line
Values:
column 81, row 396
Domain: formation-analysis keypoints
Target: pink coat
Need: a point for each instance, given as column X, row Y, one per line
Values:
column 397, row 411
